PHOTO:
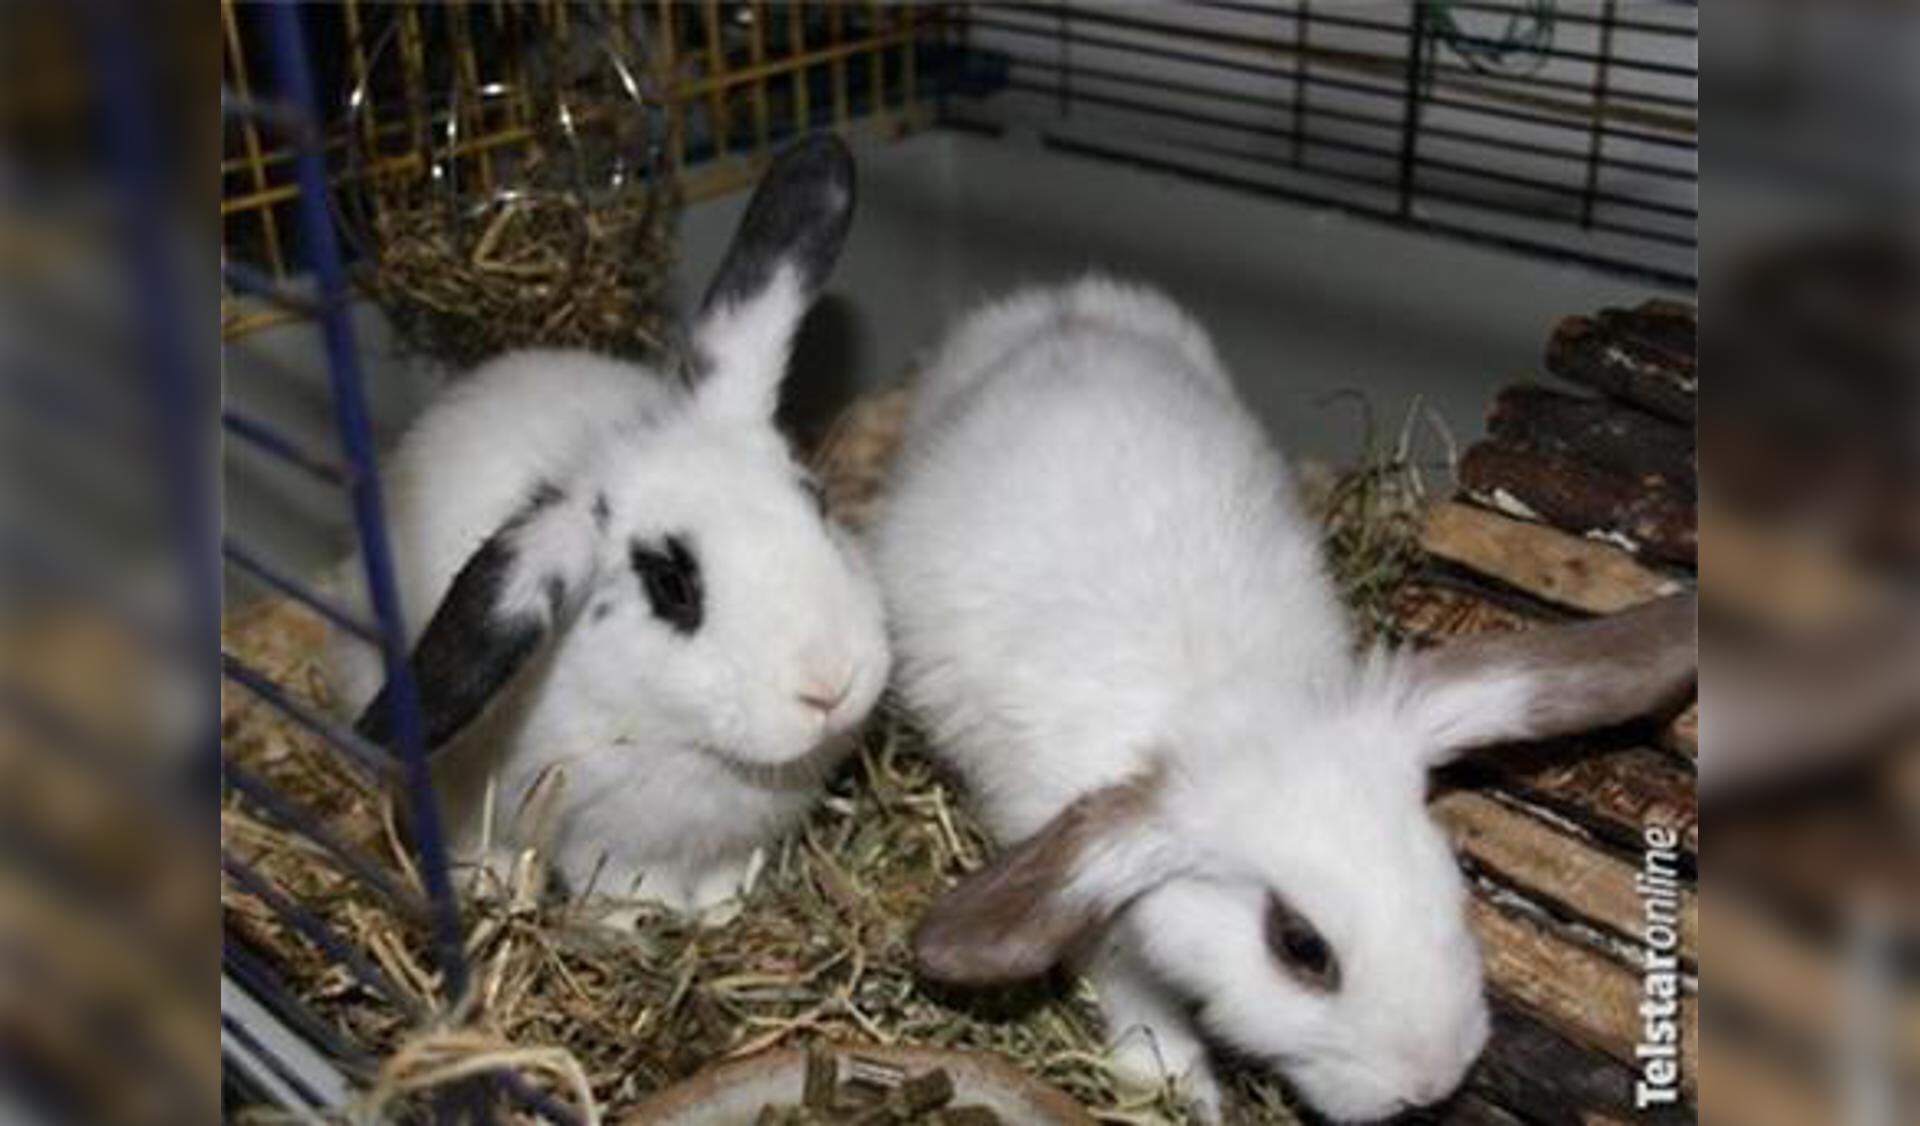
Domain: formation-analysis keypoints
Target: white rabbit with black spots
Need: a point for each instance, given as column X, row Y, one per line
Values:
column 1112, row 617
column 620, row 571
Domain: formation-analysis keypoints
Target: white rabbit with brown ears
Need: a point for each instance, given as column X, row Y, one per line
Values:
column 622, row 574
column 1113, row 619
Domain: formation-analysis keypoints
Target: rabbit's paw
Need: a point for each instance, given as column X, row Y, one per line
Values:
column 717, row 893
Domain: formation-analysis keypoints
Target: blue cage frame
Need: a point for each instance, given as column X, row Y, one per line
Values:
column 293, row 111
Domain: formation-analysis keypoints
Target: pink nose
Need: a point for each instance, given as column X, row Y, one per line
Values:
column 823, row 698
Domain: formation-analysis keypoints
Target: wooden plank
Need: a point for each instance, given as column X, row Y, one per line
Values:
column 1612, row 792
column 1598, row 432
column 1531, row 1073
column 1529, row 854
column 1661, row 325
column 1643, row 356
column 1682, row 736
column 1434, row 611
column 1583, row 574
column 1470, row 1108
column 1653, row 520
column 1585, row 995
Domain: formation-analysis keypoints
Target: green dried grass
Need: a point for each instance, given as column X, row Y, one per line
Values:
column 1371, row 516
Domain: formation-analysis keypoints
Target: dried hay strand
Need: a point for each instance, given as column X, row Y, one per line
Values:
column 539, row 212
column 1371, row 515
column 556, row 270
column 819, row 950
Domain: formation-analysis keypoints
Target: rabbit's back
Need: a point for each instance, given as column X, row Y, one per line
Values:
column 1088, row 535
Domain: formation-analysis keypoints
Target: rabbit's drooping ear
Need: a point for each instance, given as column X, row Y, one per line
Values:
column 525, row 578
column 1040, row 899
column 780, row 257
column 1509, row 687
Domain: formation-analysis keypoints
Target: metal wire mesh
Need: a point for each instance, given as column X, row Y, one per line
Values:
column 1564, row 129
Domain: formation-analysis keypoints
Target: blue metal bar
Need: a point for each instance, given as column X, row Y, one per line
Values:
column 177, row 389
column 266, row 986
column 315, row 930
column 288, row 813
column 374, row 758
column 268, row 1058
column 343, row 368
column 255, row 282
column 266, row 113
column 269, row 439
column 252, row 564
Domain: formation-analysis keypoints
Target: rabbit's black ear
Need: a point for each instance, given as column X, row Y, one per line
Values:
column 786, row 246
column 520, row 584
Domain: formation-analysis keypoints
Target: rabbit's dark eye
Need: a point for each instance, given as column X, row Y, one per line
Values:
column 1299, row 948
column 670, row 575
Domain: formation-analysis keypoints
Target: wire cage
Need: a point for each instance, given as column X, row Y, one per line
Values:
column 1566, row 130
column 320, row 101
column 1561, row 130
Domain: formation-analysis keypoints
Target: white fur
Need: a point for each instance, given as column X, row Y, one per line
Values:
column 682, row 754
column 1095, row 564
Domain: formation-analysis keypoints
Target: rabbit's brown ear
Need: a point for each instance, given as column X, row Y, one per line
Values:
column 1037, row 901
column 517, row 586
column 779, row 259
column 1509, row 687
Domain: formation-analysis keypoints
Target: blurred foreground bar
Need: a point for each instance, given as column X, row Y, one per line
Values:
column 109, row 940
column 1810, row 547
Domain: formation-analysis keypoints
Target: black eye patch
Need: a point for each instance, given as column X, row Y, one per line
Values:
column 670, row 577
column 1299, row 948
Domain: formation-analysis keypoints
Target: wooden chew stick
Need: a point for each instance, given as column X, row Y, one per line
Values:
column 1432, row 609
column 1531, row 1072
column 1585, row 994
column 1664, row 326
column 1531, row 855
column 1613, row 794
column 1655, row 519
column 1599, row 432
column 1682, row 736
column 1644, row 356
column 1550, row 564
